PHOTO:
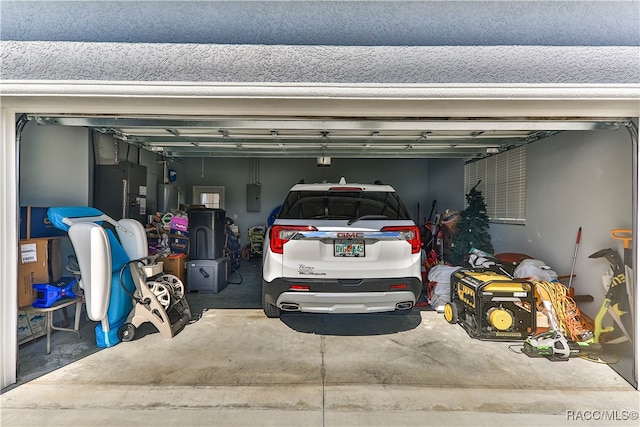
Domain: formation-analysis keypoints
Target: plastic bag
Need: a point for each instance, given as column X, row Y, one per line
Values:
column 440, row 276
column 535, row 270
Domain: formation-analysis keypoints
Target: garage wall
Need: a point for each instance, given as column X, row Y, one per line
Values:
column 575, row 179
column 409, row 177
column 446, row 185
column 54, row 166
column 56, row 169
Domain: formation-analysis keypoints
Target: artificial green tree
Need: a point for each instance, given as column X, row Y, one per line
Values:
column 471, row 230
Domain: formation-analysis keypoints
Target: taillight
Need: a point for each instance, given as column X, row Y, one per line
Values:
column 410, row 233
column 298, row 288
column 345, row 189
column 281, row 234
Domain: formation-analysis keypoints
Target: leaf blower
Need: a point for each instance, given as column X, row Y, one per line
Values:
column 555, row 347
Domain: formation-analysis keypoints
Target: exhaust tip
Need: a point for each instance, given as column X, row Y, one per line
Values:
column 289, row 306
column 404, row 305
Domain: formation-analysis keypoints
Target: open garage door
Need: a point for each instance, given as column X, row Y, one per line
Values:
column 397, row 129
column 264, row 136
column 389, row 127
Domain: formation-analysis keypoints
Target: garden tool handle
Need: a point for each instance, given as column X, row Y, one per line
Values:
column 575, row 256
column 598, row 329
column 624, row 234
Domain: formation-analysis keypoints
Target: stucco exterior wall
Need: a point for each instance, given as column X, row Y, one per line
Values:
column 318, row 64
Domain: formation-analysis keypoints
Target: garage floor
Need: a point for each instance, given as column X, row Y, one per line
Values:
column 234, row 366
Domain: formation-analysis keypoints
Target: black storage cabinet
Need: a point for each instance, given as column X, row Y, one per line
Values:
column 206, row 233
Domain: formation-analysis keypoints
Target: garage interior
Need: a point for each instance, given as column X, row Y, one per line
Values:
column 580, row 147
column 218, row 101
column 411, row 153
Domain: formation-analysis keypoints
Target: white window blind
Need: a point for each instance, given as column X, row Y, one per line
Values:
column 210, row 200
column 503, row 184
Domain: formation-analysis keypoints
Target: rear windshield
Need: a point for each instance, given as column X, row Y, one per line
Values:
column 342, row 205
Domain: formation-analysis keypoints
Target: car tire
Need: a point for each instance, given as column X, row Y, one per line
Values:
column 270, row 310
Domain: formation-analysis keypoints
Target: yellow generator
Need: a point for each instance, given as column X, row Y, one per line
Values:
column 491, row 306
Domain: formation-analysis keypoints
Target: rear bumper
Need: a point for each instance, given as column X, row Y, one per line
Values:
column 362, row 302
column 364, row 296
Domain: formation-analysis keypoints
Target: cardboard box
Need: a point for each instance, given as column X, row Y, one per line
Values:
column 31, row 325
column 175, row 265
column 179, row 244
column 37, row 322
column 34, row 223
column 24, row 330
column 39, row 261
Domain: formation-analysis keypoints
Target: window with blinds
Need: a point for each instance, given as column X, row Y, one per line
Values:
column 503, row 184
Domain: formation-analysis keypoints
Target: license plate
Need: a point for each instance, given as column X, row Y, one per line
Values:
column 348, row 248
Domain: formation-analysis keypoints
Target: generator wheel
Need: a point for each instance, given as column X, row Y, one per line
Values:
column 126, row 332
column 451, row 312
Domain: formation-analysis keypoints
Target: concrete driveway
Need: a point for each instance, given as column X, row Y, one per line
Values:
column 237, row 367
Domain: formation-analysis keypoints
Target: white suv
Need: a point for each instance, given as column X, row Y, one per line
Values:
column 341, row 248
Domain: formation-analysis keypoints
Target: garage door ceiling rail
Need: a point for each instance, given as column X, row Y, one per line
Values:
column 181, row 137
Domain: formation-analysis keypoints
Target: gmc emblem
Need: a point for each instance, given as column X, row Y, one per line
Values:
column 347, row 235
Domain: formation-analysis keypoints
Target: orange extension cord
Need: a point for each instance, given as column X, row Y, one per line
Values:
column 570, row 319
